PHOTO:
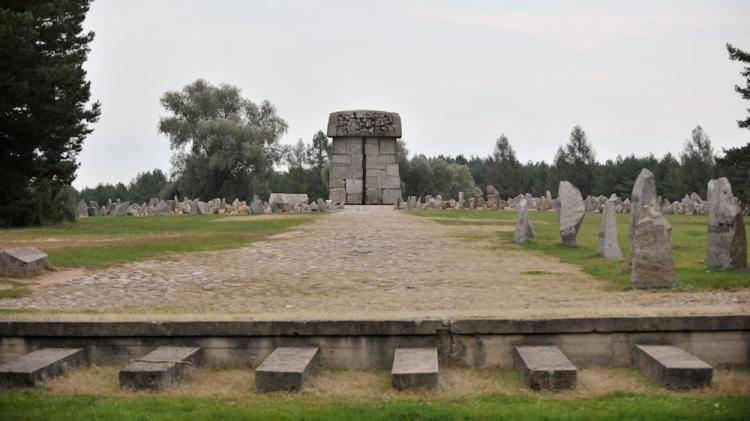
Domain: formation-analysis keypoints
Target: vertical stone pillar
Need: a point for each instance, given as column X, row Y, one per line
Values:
column 364, row 168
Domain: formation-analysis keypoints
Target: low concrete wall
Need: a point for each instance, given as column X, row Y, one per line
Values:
column 370, row 344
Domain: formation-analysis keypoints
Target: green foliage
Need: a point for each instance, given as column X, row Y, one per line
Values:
column 93, row 242
column 688, row 241
column 697, row 162
column 44, row 107
column 735, row 166
column 735, row 54
column 141, row 189
column 224, row 145
column 575, row 162
column 28, row 405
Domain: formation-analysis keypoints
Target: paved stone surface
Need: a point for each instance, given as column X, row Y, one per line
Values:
column 363, row 262
column 159, row 369
column 414, row 368
column 286, row 369
column 544, row 367
column 39, row 365
column 672, row 366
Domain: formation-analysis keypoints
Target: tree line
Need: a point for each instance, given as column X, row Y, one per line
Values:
column 228, row 146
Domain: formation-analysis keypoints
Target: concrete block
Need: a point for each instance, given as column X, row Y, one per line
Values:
column 375, row 162
column 354, row 185
column 389, row 182
column 390, row 196
column 338, row 195
column 341, row 159
column 376, row 173
column 337, row 183
column 372, row 146
column 354, row 198
column 372, row 182
column 286, row 369
column 390, row 159
column 354, row 146
column 160, row 369
column 391, row 170
column 25, row 261
column 387, row 146
column 342, row 171
column 339, row 146
column 672, row 366
column 414, row 368
column 544, row 367
column 373, row 197
column 39, row 365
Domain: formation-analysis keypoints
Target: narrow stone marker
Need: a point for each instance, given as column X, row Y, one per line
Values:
column 672, row 366
column 160, row 369
column 415, row 368
column 286, row 369
column 544, row 367
column 39, row 365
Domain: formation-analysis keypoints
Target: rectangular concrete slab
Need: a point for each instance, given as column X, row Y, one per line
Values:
column 286, row 369
column 39, row 365
column 414, row 368
column 544, row 367
column 672, row 366
column 160, row 369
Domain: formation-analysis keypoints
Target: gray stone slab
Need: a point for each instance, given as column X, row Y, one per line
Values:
column 672, row 366
column 414, row 368
column 160, row 369
column 24, row 261
column 39, row 365
column 544, row 367
column 286, row 369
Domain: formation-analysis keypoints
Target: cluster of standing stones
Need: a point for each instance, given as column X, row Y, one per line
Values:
column 287, row 369
column 649, row 261
column 277, row 202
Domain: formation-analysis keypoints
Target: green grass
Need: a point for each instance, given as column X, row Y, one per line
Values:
column 12, row 289
column 688, row 241
column 98, row 241
column 34, row 405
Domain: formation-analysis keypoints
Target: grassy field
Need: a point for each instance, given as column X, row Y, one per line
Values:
column 98, row 241
column 688, row 242
column 35, row 405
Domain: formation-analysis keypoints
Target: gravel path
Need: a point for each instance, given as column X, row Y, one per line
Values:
column 363, row 262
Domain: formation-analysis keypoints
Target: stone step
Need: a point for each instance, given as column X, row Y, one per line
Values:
column 286, row 369
column 414, row 368
column 160, row 369
column 39, row 365
column 544, row 367
column 672, row 366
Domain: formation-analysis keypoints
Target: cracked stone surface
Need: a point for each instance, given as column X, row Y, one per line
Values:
column 360, row 263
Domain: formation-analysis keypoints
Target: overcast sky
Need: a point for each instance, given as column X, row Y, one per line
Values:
column 636, row 75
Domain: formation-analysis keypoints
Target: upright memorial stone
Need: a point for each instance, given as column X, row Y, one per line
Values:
column 524, row 229
column 608, row 246
column 571, row 214
column 727, row 243
column 364, row 168
column 643, row 194
column 651, row 258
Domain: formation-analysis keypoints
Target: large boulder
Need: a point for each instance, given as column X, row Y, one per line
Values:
column 727, row 242
column 608, row 246
column 571, row 213
column 82, row 210
column 651, row 259
column 524, row 230
column 256, row 205
column 163, row 208
column 121, row 209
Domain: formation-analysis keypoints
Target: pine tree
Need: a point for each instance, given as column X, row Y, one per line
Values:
column 44, row 107
column 744, row 57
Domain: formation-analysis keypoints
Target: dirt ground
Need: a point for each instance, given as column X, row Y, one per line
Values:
column 454, row 382
column 360, row 263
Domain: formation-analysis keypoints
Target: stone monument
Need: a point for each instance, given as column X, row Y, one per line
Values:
column 364, row 168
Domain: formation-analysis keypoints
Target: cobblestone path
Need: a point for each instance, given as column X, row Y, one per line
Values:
column 363, row 262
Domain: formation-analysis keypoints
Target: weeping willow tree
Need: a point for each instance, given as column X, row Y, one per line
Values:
column 224, row 145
